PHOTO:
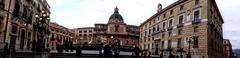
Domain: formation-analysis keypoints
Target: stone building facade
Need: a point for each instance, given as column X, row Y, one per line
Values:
column 59, row 35
column 228, row 52
column 84, row 35
column 17, row 18
column 114, row 30
column 171, row 29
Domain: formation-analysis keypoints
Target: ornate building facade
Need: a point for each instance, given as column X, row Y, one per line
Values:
column 59, row 35
column 115, row 29
column 17, row 18
column 85, row 35
column 185, row 23
column 228, row 52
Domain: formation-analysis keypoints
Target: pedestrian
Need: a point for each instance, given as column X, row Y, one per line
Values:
column 136, row 51
column 149, row 54
column 12, row 51
column 6, row 51
column 145, row 54
column 107, row 51
column 161, row 55
column 34, row 46
column 78, row 51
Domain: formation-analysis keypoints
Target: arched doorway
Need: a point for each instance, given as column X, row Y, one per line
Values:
column 22, row 39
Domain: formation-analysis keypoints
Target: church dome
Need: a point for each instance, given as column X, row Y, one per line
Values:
column 116, row 17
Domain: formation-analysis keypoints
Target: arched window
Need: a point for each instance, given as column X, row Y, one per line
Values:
column 116, row 28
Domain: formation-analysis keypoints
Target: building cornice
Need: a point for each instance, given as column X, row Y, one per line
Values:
column 163, row 10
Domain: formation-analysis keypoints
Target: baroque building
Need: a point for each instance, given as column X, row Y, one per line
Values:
column 85, row 35
column 17, row 18
column 185, row 23
column 228, row 52
column 114, row 30
column 59, row 35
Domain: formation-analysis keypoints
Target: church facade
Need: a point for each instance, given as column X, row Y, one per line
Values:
column 114, row 30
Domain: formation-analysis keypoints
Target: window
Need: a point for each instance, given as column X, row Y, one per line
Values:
column 152, row 38
column 14, row 29
column 164, row 15
column 90, row 31
column 179, row 44
column 116, row 28
column 145, row 33
column 163, row 35
column 149, row 31
column 164, row 25
column 197, row 2
column 157, row 27
column 171, row 12
column 16, row 9
column 179, row 31
column 180, row 19
column 169, row 43
column 162, row 44
column 181, row 7
column 169, row 34
column 196, row 15
column 195, row 43
column 80, row 31
column 195, row 29
column 85, row 31
column 154, row 29
column 171, row 23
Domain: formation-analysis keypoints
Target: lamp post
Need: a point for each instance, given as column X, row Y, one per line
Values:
column 189, row 42
column 169, row 49
column 181, row 50
column 41, row 27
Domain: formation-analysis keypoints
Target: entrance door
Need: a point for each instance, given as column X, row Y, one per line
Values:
column 22, row 39
column 12, row 41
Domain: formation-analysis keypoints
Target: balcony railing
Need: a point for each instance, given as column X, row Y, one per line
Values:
column 170, row 28
column 180, row 25
column 196, row 21
column 163, row 30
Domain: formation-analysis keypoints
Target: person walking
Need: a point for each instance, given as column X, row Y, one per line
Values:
column 107, row 51
column 136, row 51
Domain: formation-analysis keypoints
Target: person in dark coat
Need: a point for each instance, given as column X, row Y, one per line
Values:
column 149, row 54
column 34, row 43
column 6, row 51
column 136, row 51
column 107, row 51
column 78, row 51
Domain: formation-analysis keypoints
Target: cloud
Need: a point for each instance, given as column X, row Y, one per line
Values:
column 85, row 13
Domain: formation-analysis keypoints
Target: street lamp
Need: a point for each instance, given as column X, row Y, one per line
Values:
column 169, row 49
column 181, row 50
column 189, row 42
column 41, row 27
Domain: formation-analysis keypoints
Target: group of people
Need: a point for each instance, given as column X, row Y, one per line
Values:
column 108, row 50
column 67, row 45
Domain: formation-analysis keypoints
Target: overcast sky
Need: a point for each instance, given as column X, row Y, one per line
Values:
column 85, row 13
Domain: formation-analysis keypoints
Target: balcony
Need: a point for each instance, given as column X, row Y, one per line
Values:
column 163, row 30
column 170, row 28
column 180, row 25
column 196, row 21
